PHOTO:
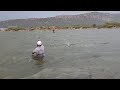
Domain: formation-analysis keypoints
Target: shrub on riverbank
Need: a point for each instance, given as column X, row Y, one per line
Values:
column 106, row 25
column 15, row 28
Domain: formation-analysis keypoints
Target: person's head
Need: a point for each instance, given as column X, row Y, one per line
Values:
column 39, row 43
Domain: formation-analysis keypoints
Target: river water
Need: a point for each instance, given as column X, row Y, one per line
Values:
column 76, row 54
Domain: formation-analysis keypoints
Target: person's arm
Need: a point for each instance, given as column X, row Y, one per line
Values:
column 34, row 51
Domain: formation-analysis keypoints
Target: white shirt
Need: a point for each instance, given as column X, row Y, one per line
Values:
column 39, row 50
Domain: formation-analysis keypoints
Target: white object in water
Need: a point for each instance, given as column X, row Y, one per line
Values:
column 67, row 43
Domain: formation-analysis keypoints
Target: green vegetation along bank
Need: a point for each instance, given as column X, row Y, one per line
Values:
column 106, row 25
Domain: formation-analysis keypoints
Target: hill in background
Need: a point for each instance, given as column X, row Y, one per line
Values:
column 64, row 20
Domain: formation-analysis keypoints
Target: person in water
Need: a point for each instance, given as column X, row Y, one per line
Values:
column 53, row 31
column 38, row 53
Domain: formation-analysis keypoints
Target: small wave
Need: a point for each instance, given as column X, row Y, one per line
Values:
column 21, row 60
column 64, row 72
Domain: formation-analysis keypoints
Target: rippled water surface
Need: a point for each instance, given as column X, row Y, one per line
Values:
column 69, row 54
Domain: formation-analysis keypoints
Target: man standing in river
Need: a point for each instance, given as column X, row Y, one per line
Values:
column 53, row 31
column 38, row 53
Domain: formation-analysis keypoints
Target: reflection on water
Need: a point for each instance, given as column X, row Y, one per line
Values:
column 67, row 52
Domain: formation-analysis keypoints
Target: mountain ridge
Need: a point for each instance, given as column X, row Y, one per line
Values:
column 64, row 20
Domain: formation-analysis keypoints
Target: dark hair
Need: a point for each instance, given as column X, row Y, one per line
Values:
column 39, row 45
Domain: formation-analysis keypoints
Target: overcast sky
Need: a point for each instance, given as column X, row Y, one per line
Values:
column 5, row 15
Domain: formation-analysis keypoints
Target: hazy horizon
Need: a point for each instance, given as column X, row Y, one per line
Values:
column 7, row 15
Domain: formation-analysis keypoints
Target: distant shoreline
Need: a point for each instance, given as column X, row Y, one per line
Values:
column 110, row 25
column 61, row 29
